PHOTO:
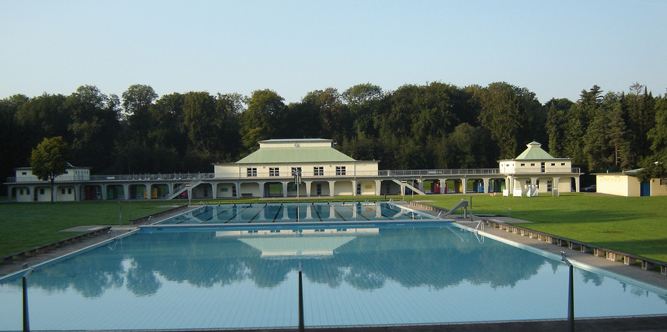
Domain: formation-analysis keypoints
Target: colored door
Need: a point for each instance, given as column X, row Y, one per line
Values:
column 645, row 189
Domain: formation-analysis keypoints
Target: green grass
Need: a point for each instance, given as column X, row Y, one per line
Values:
column 636, row 225
column 28, row 225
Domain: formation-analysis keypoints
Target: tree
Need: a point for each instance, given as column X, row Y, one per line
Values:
column 555, row 125
column 137, row 101
column 48, row 160
column 264, row 118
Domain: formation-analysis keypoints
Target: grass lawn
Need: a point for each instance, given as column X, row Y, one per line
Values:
column 635, row 225
column 28, row 225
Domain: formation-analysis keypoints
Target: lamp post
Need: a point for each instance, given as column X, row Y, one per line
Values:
column 570, row 294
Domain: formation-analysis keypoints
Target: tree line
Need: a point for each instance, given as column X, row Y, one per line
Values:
column 434, row 125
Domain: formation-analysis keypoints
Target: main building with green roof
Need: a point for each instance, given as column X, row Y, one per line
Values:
column 325, row 171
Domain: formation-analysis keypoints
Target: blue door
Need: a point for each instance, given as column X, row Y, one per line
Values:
column 645, row 189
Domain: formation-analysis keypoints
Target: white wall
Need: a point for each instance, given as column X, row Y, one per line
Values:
column 225, row 190
column 65, row 193
column 250, row 188
column 233, row 171
column 71, row 174
column 24, row 194
column 342, row 188
column 282, row 145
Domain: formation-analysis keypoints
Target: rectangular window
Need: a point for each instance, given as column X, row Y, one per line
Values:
column 274, row 171
column 553, row 164
column 296, row 170
column 24, row 173
column 562, row 164
column 522, row 164
column 41, row 191
column 318, row 171
column 251, row 171
column 532, row 164
column 62, row 191
column 340, row 170
column 69, row 191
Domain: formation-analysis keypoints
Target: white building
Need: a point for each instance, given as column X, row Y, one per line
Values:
column 325, row 171
column 535, row 171
column 36, row 190
column 628, row 184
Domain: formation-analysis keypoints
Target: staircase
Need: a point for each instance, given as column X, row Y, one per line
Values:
column 411, row 187
column 187, row 187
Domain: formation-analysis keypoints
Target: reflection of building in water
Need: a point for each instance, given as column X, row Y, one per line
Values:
column 301, row 243
column 294, row 212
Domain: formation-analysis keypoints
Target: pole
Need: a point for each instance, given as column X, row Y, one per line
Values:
column 570, row 300
column 301, row 324
column 570, row 292
column 26, row 318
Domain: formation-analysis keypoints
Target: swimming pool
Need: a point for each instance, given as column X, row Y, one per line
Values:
column 365, row 273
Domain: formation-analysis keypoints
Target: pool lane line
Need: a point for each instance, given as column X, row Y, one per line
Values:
column 338, row 213
column 282, row 206
column 360, row 212
column 258, row 212
column 317, row 211
column 237, row 212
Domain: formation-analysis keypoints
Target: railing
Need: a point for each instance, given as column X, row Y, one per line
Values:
column 350, row 173
column 433, row 172
column 153, row 177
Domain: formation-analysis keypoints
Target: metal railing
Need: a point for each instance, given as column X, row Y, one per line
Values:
column 153, row 177
column 434, row 172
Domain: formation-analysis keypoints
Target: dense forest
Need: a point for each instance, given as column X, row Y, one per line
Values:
column 435, row 125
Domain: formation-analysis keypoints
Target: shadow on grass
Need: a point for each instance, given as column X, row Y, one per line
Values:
column 560, row 216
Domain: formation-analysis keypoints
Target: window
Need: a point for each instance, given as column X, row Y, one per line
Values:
column 562, row 164
column 522, row 164
column 24, row 173
column 62, row 191
column 274, row 171
column 296, row 170
column 318, row 171
column 532, row 164
column 41, row 191
column 340, row 170
column 251, row 171
column 69, row 191
column 553, row 164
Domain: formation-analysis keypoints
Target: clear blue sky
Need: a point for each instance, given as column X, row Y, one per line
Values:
column 554, row 48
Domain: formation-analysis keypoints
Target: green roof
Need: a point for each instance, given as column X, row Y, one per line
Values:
column 534, row 152
column 295, row 155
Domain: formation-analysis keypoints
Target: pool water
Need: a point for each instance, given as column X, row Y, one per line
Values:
column 246, row 276
column 296, row 212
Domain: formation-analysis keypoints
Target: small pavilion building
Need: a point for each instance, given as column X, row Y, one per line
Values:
column 535, row 171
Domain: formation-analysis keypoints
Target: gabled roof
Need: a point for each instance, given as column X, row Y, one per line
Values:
column 534, row 152
column 295, row 155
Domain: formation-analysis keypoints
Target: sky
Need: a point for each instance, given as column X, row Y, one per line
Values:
column 553, row 48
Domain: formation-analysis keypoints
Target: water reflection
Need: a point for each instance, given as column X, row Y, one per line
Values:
column 364, row 258
column 294, row 212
